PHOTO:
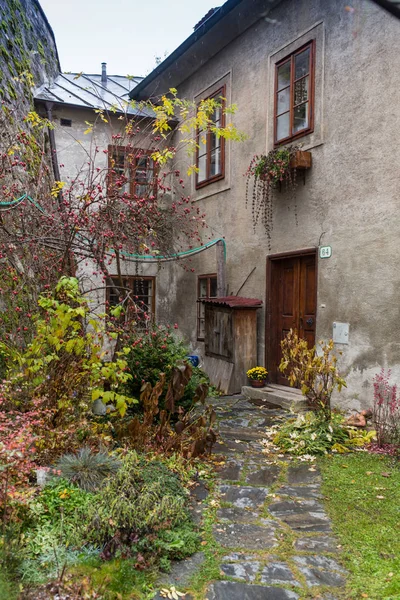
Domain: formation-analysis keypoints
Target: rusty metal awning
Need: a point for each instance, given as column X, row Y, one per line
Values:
column 233, row 302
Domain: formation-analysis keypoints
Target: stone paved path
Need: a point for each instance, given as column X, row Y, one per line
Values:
column 273, row 534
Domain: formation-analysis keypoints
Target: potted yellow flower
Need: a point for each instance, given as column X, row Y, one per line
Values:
column 257, row 376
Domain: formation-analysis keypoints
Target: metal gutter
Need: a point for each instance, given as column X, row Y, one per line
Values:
column 392, row 6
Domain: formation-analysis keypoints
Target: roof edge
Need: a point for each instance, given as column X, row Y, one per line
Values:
column 49, row 27
column 217, row 16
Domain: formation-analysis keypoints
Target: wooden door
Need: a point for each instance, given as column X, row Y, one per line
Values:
column 292, row 305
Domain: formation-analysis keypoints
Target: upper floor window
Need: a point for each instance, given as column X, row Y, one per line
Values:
column 137, row 295
column 132, row 172
column 210, row 158
column 294, row 95
column 206, row 288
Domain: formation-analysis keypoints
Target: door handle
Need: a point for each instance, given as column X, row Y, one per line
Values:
column 310, row 321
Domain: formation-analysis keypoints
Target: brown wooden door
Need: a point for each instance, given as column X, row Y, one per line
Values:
column 292, row 306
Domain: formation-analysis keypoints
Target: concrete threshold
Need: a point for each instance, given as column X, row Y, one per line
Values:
column 279, row 395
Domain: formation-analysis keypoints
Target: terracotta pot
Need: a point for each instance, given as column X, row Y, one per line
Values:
column 257, row 384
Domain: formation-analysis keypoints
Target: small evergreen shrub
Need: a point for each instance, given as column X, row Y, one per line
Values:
column 87, row 469
column 131, row 512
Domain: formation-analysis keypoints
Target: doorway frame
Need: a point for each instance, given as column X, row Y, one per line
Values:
column 269, row 339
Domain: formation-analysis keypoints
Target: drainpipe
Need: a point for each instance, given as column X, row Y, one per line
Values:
column 53, row 148
column 104, row 74
column 221, row 269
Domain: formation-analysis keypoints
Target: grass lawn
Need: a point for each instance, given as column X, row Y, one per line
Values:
column 363, row 500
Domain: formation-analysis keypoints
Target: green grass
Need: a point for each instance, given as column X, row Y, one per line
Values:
column 118, row 579
column 364, row 506
column 8, row 589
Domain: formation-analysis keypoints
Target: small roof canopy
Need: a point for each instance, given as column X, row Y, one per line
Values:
column 234, row 302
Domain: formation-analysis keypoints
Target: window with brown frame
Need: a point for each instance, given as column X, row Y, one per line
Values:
column 206, row 288
column 294, row 95
column 132, row 172
column 210, row 155
column 137, row 295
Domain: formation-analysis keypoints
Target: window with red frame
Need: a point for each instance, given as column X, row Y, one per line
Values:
column 210, row 156
column 206, row 288
column 294, row 95
column 132, row 172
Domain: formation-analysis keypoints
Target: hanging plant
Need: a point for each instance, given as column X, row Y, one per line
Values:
column 265, row 174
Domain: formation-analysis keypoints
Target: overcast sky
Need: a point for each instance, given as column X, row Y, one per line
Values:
column 126, row 34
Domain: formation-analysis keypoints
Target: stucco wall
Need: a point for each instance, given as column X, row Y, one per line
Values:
column 351, row 194
column 75, row 149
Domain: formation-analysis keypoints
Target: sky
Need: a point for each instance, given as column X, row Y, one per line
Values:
column 126, row 34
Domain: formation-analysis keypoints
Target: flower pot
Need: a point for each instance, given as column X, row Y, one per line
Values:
column 301, row 160
column 256, row 383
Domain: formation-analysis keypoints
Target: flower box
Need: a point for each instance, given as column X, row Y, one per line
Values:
column 301, row 160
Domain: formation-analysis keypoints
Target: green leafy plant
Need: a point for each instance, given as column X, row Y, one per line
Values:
column 51, row 529
column 314, row 372
column 86, row 468
column 257, row 373
column 160, row 351
column 311, row 433
column 66, row 361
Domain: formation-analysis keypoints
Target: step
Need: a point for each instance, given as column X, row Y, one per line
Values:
column 279, row 395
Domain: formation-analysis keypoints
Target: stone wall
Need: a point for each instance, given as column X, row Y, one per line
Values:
column 28, row 53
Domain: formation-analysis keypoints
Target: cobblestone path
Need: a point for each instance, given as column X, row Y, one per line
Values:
column 273, row 537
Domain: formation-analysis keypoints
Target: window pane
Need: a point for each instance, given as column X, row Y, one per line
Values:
column 203, row 288
column 301, row 90
column 215, row 141
column 142, row 191
column 217, row 113
column 215, row 162
column 300, row 117
column 121, row 170
column 284, row 75
column 201, row 176
column 282, row 127
column 302, row 64
column 283, row 101
column 213, row 287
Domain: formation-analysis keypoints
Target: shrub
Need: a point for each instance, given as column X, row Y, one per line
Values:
column 86, row 468
column 160, row 351
column 131, row 511
column 51, row 530
column 386, row 413
column 314, row 372
column 311, row 433
column 65, row 360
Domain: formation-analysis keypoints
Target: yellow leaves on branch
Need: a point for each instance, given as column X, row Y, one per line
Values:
column 315, row 372
column 57, row 187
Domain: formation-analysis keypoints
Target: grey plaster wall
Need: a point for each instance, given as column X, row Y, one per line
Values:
column 351, row 195
column 75, row 150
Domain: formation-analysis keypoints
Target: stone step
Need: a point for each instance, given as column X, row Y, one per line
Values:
column 278, row 395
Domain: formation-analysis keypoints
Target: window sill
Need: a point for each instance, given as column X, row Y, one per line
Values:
column 203, row 184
